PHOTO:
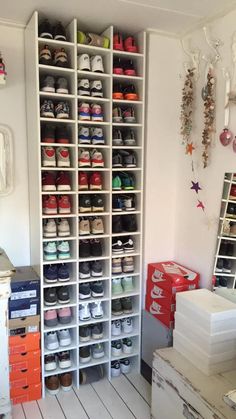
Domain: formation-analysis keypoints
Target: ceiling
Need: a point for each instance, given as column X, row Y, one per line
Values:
column 170, row 16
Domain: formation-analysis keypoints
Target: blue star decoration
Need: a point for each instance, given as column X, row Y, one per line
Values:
column 195, row 186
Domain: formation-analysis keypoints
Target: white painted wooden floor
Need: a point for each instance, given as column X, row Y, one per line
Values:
column 126, row 397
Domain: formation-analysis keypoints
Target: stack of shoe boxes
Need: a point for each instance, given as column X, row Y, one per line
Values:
column 205, row 330
column 24, row 340
column 165, row 279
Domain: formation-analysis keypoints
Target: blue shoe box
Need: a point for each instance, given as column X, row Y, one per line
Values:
column 25, row 293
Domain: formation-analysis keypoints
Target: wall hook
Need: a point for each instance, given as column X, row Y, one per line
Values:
column 214, row 44
column 194, row 62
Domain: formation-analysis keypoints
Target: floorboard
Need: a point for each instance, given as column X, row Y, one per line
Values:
column 112, row 400
column 18, row 412
column 91, row 403
column 31, row 410
column 131, row 397
column 141, row 385
column 71, row 405
column 50, row 408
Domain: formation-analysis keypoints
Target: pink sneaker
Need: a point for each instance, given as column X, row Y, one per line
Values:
column 64, row 315
column 64, row 204
column 50, row 318
column 84, row 112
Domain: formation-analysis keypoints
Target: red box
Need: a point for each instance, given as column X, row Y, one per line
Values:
column 161, row 313
column 154, row 292
column 26, row 393
column 24, row 343
column 172, row 277
column 25, row 360
column 21, row 378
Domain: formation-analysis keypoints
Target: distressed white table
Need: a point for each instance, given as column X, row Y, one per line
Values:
column 6, row 272
column 179, row 390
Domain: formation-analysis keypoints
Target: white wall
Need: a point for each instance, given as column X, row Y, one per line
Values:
column 14, row 209
column 195, row 242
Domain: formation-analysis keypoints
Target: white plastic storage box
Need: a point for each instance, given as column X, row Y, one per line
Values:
column 228, row 293
column 207, row 310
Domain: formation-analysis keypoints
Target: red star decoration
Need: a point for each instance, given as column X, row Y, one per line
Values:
column 200, row 205
column 195, row 186
column 189, row 149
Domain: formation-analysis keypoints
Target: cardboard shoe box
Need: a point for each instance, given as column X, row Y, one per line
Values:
column 154, row 292
column 21, row 378
column 24, row 343
column 24, row 325
column 25, row 284
column 25, row 360
column 26, row 393
column 161, row 313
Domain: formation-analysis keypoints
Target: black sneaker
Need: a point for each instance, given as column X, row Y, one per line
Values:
column 231, row 211
column 63, row 295
column 84, row 270
column 85, row 354
column 227, row 266
column 97, row 203
column 45, row 30
column 223, row 248
column 84, row 249
column 84, row 334
column 222, row 281
column 50, row 296
column 97, row 289
column 117, row 160
column 48, row 133
column 96, row 247
column 128, row 245
column 116, row 307
column 62, row 110
column 129, row 138
column 59, row 32
column 96, row 268
column 50, row 362
column 230, row 249
column 84, row 291
column 62, row 134
column 117, row 203
column 117, row 246
column 85, row 204
column 64, row 360
column 47, row 84
column 219, row 265
column 126, row 303
column 50, row 273
column 45, row 56
column 129, row 222
column 116, row 224
column 47, row 109
column 97, row 331
column 117, row 138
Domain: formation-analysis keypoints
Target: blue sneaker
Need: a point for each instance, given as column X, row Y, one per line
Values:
column 63, row 273
column 84, row 137
column 97, row 136
column 117, row 203
column 50, row 273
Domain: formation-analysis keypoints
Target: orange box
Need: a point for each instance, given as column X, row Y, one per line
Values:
column 21, row 378
column 25, row 360
column 26, row 393
column 24, row 343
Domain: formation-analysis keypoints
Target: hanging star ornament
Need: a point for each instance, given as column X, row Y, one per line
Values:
column 189, row 148
column 200, row 205
column 195, row 186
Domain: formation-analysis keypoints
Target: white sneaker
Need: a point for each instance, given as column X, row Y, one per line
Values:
column 96, row 88
column 127, row 346
column 83, row 62
column 97, row 64
column 97, row 136
column 84, row 158
column 84, row 136
column 97, row 310
column 125, row 366
column 97, row 158
column 63, row 157
column 127, row 325
column 116, row 327
column 50, row 228
column 96, row 112
column 83, row 87
column 48, row 157
column 51, row 341
column 115, row 368
column 64, row 337
column 116, row 348
column 63, row 228
column 84, row 312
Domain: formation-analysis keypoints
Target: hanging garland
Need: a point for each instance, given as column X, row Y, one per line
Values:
column 187, row 108
column 208, row 95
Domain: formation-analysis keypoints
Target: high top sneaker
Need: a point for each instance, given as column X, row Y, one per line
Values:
column 63, row 157
column 83, row 181
column 96, row 112
column 84, row 136
column 63, row 228
column 59, row 32
column 117, row 138
column 117, row 114
column 62, row 110
column 83, row 87
column 83, row 62
column 47, row 84
column 96, row 88
column 49, row 205
column 97, row 158
column 45, row 30
column 48, row 157
column 95, row 181
column 64, row 205
column 84, row 158
column 129, row 69
column 84, row 112
column 47, row 109
column 130, row 44
column 60, row 58
column 45, row 56
column 62, row 85
column 48, row 133
column 50, row 228
column 117, row 66
column 48, row 182
column 63, row 182
column 62, row 134
column 97, row 136
column 128, row 115
column 97, row 64
column 118, row 42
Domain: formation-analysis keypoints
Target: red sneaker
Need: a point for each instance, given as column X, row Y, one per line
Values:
column 49, row 205
column 232, row 194
column 64, row 204
column 48, row 182
column 83, row 181
column 95, row 181
column 63, row 182
column 118, row 42
column 130, row 44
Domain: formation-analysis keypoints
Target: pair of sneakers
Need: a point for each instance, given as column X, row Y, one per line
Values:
column 91, row 310
column 56, row 295
column 57, row 58
column 93, row 63
column 126, row 137
column 94, row 203
column 92, row 88
column 124, row 158
column 123, row 265
column 60, row 111
column 93, row 158
column 52, row 228
column 118, row 367
column 62, row 315
column 55, row 157
column 53, row 205
column 52, row 183
column 54, row 340
column 95, row 351
column 123, row 180
column 50, row 84
column 92, row 225
column 122, row 326
column 120, row 285
column 53, row 251
column 90, row 113
column 91, row 136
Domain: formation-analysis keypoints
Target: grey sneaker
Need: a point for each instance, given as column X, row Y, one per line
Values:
column 62, row 85
column 98, row 351
column 97, row 331
column 96, row 268
column 129, row 138
column 48, row 84
column 127, row 305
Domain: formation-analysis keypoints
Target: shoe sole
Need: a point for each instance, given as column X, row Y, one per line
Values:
column 117, row 313
column 47, row 115
column 48, row 89
column 97, row 95
column 131, row 96
column 85, row 360
column 64, row 234
column 65, row 320
column 84, row 276
column 62, row 91
column 96, row 274
column 63, row 188
column 84, row 118
column 50, row 304
column 50, row 281
column 48, row 164
column 118, row 96
column 49, row 258
column 46, row 35
column 118, row 70
column 65, row 342
column 65, row 364
column 53, row 347
column 49, row 235
column 97, row 209
column 98, row 294
column 100, row 316
column 64, row 211
column 67, row 388
column 96, row 337
column 97, row 118
column 130, row 73
column 82, row 209
column 64, row 256
column 83, row 187
column 50, row 367
column 130, row 120
column 84, row 141
column 98, row 355
column 84, row 164
column 63, row 164
column 117, row 119
column 60, row 38
column 53, row 392
column 84, row 339
column 84, row 297
column 49, row 188
column 85, row 319
column 101, row 164
column 62, row 116
column 83, row 93
column 97, row 232
column 95, row 187
column 64, row 301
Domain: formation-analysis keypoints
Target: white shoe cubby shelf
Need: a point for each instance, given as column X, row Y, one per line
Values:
column 225, row 257
column 34, row 73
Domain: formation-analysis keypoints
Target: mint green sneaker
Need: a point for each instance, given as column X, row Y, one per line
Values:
column 63, row 249
column 116, row 183
column 50, row 251
column 127, row 283
column 116, row 286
